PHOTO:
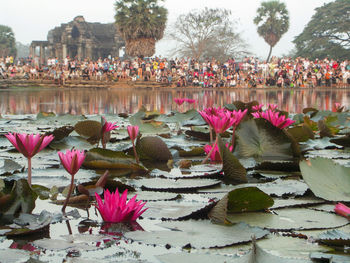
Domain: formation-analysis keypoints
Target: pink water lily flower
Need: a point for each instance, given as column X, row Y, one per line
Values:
column 179, row 101
column 280, row 121
column 71, row 161
column 218, row 119
column 215, row 154
column 133, row 132
column 106, row 128
column 342, row 210
column 116, row 209
column 29, row 145
column 272, row 107
column 257, row 107
column 190, row 101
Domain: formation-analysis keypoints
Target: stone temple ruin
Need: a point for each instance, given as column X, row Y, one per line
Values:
column 79, row 39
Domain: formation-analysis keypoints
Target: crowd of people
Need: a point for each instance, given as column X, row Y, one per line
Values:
column 248, row 72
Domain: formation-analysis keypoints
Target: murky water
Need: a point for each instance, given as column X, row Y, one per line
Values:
column 113, row 101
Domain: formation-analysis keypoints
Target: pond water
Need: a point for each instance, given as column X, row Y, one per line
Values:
column 117, row 100
column 179, row 199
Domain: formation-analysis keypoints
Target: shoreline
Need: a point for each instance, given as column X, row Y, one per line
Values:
column 8, row 83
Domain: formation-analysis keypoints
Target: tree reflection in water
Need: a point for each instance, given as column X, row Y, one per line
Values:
column 114, row 101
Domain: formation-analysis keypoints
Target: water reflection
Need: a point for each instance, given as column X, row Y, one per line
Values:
column 114, row 101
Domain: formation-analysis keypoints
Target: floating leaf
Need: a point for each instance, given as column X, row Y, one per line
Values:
column 98, row 158
column 195, row 151
column 22, row 199
column 335, row 237
column 180, row 185
column 324, row 130
column 295, row 202
column 301, row 133
column 327, row 179
column 290, row 219
column 194, row 257
column 42, row 115
column 88, row 128
column 10, row 167
column 343, row 141
column 150, row 127
column 259, row 138
column 331, row 258
column 248, row 199
column 233, row 170
column 152, row 148
column 61, row 133
column 281, row 187
column 198, row 234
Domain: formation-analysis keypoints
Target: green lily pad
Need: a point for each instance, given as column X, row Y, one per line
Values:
column 194, row 257
column 152, row 148
column 331, row 258
column 301, row 133
column 295, row 202
column 22, row 199
column 335, row 237
column 259, row 138
column 290, row 219
column 98, row 158
column 180, row 185
column 198, row 234
column 246, row 199
column 88, row 128
column 147, row 127
column 233, row 170
column 61, row 132
column 281, row 187
column 327, row 179
column 10, row 167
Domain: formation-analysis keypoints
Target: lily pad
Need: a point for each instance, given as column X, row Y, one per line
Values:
column 98, row 158
column 198, row 234
column 331, row 258
column 281, row 187
column 177, row 186
column 152, row 148
column 335, row 237
column 327, row 179
column 295, row 202
column 290, row 219
column 233, row 170
column 194, row 257
column 88, row 128
column 9, row 167
column 22, row 199
column 259, row 138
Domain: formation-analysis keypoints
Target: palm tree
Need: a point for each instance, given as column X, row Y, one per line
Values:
column 141, row 23
column 272, row 20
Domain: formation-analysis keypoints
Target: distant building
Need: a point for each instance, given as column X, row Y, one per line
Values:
column 79, row 39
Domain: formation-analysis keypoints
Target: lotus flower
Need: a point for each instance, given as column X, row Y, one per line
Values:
column 116, row 209
column 71, row 161
column 275, row 118
column 179, row 101
column 106, row 128
column 215, row 154
column 133, row 131
column 257, row 107
column 272, row 107
column 190, row 101
column 218, row 119
column 342, row 210
column 338, row 107
column 29, row 145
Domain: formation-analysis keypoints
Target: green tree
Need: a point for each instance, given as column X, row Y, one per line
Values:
column 207, row 33
column 272, row 20
column 141, row 23
column 7, row 42
column 327, row 34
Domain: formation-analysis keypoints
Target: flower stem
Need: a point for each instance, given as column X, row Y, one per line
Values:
column 211, row 151
column 211, row 134
column 68, row 195
column 233, row 138
column 135, row 153
column 29, row 172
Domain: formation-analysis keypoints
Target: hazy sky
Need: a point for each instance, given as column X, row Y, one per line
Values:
column 32, row 19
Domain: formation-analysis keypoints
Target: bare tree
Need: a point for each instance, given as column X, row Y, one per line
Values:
column 207, row 33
